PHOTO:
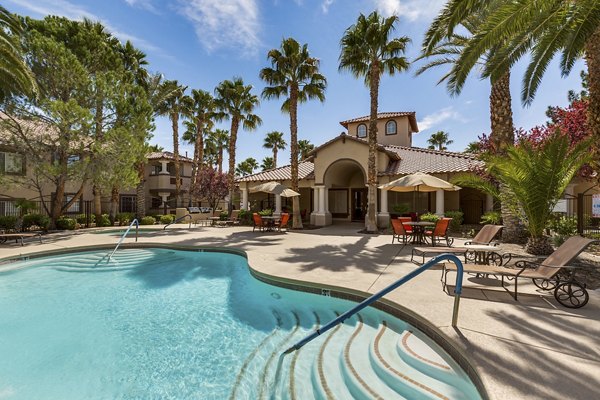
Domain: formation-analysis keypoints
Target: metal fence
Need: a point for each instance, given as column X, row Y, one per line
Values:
column 580, row 208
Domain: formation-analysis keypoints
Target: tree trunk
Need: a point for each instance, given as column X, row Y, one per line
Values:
column 220, row 158
column 539, row 246
column 175, row 126
column 97, row 202
column 140, row 192
column 502, row 136
column 99, row 136
column 371, row 220
column 114, row 204
column 297, row 215
column 275, row 149
column 235, row 124
column 592, row 58
column 59, row 197
column 199, row 150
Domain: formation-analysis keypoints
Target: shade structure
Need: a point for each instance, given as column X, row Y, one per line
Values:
column 274, row 188
column 419, row 182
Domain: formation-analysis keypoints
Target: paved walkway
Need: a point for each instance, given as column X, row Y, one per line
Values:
column 533, row 348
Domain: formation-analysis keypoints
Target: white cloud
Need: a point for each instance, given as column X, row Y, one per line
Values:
column 410, row 9
column 438, row 117
column 224, row 23
column 145, row 4
column 325, row 5
column 69, row 10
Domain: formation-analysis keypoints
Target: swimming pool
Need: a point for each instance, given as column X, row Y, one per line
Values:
column 158, row 323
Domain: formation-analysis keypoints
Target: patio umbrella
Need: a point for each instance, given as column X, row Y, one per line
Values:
column 274, row 188
column 418, row 182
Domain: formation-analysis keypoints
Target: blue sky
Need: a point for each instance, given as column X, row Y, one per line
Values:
column 202, row 42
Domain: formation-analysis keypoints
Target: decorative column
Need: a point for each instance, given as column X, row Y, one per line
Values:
column 163, row 167
column 439, row 202
column 315, row 209
column 322, row 200
column 383, row 216
column 489, row 202
column 277, row 205
column 244, row 205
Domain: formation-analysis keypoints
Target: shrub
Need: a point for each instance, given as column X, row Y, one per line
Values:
column 401, row 208
column 167, row 219
column 564, row 226
column 457, row 219
column 245, row 217
column 148, row 220
column 266, row 212
column 41, row 220
column 429, row 217
column 104, row 221
column 491, row 218
column 7, row 222
column 82, row 218
column 223, row 216
column 65, row 223
column 124, row 218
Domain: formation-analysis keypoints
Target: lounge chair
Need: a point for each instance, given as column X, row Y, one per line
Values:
column 234, row 217
column 485, row 236
column 399, row 231
column 440, row 232
column 20, row 235
column 550, row 274
column 258, row 222
column 285, row 217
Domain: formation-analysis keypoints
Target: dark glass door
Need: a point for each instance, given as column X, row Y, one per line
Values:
column 359, row 204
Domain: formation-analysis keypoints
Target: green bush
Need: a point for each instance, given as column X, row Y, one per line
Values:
column 103, row 221
column 65, row 223
column 82, row 218
column 429, row 217
column 564, row 226
column 148, row 220
column 266, row 212
column 7, row 222
column 491, row 218
column 167, row 219
column 401, row 208
column 41, row 220
column 457, row 219
column 124, row 218
column 245, row 217
column 223, row 216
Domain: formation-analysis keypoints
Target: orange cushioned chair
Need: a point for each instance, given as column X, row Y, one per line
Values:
column 258, row 222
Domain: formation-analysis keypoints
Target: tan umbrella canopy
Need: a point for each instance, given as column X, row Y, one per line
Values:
column 418, row 182
column 274, row 188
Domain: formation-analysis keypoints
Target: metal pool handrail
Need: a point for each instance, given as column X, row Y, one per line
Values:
column 383, row 292
column 137, row 227
column 179, row 219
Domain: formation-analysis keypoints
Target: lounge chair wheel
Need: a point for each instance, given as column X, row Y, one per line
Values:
column 495, row 259
column 571, row 294
column 546, row 284
column 470, row 257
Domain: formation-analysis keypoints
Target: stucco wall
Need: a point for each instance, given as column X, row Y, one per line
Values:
column 403, row 137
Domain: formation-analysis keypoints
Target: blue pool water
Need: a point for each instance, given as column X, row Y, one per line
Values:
column 164, row 324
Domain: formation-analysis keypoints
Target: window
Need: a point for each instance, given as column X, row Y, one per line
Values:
column 75, row 207
column 156, row 202
column 128, row 204
column 361, row 131
column 390, row 128
column 12, row 163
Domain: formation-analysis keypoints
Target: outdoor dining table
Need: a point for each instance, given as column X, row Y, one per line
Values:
column 418, row 235
column 270, row 222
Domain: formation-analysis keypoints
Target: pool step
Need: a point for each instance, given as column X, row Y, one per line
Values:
column 363, row 358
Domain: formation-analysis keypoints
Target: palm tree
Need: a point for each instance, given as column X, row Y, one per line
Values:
column 439, row 140
column 216, row 143
column 15, row 75
column 536, row 177
column 473, row 148
column 200, row 110
column 274, row 140
column 304, row 147
column 173, row 106
column 295, row 75
column 267, row 163
column 237, row 103
column 246, row 167
column 543, row 28
column 368, row 51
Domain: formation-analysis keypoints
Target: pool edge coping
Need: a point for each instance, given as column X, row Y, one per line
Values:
column 340, row 292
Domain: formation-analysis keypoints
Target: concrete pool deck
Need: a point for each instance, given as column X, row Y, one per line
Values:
column 534, row 348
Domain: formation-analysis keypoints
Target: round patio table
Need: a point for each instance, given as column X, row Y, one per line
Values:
column 418, row 235
column 484, row 254
column 270, row 222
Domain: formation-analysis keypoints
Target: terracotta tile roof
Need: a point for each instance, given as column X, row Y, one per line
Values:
column 416, row 159
column 166, row 155
column 383, row 115
column 344, row 136
column 305, row 171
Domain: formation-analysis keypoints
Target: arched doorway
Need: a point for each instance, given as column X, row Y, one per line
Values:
column 345, row 181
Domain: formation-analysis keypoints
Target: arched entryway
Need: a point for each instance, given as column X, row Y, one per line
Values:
column 346, row 193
